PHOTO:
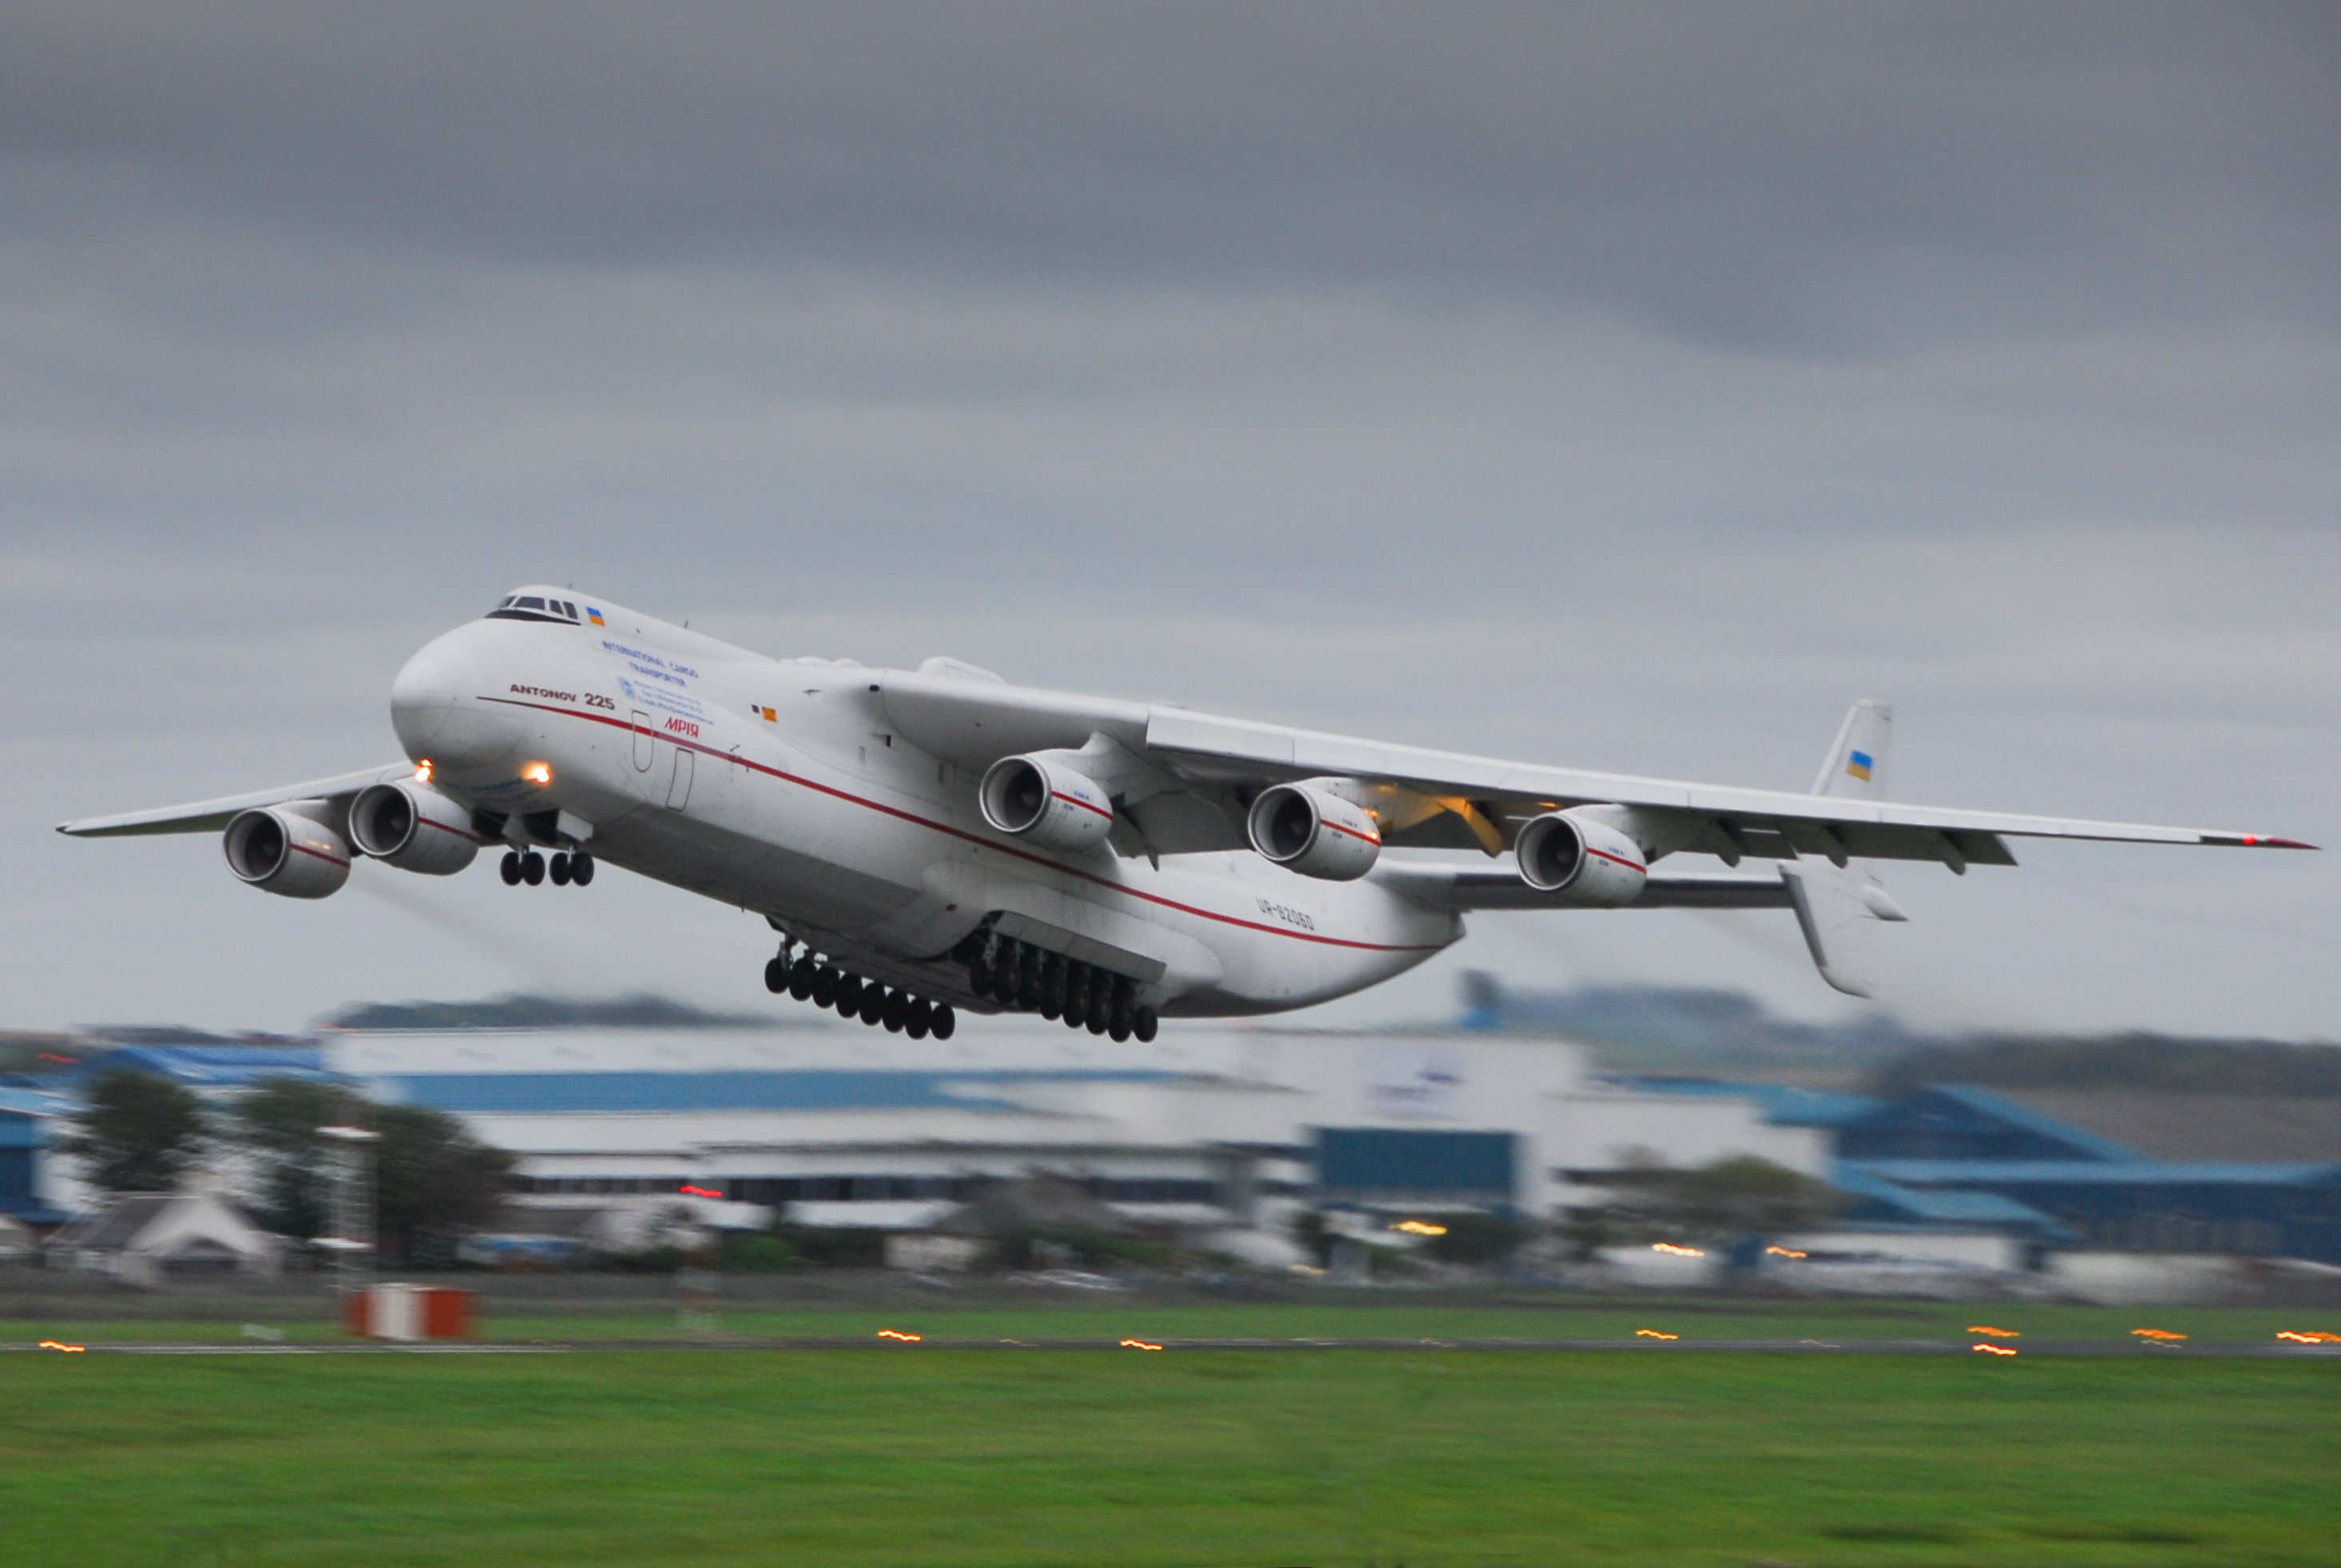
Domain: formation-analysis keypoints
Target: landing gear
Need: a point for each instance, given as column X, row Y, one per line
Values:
column 569, row 868
column 776, row 975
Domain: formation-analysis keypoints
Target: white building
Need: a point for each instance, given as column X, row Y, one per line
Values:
column 1212, row 1127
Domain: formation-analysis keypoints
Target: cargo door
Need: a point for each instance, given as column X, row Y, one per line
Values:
column 678, row 787
column 645, row 744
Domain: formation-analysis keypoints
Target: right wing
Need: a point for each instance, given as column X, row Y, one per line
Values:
column 210, row 816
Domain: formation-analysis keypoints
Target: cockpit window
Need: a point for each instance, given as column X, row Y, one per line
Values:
column 534, row 607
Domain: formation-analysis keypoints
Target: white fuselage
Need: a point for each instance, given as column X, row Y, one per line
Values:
column 782, row 787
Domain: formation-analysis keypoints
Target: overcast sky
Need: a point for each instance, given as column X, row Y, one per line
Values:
column 1629, row 387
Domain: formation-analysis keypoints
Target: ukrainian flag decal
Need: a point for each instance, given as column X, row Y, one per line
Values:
column 1858, row 764
column 594, row 615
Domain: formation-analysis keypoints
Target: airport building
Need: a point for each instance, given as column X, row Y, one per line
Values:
column 1211, row 1129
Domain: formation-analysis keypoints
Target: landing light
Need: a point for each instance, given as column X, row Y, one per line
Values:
column 422, row 771
column 1673, row 1251
column 1420, row 1228
column 537, row 773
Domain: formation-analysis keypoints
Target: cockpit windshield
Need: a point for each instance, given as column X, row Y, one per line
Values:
column 541, row 607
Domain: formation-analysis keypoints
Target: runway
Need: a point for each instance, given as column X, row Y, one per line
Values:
column 2094, row 1349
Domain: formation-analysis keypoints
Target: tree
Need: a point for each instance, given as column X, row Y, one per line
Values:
column 137, row 1131
column 432, row 1181
column 276, row 1125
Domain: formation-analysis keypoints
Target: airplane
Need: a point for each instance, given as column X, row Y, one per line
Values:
column 929, row 840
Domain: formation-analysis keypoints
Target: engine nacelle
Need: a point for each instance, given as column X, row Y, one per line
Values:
column 413, row 827
column 1045, row 802
column 1582, row 857
column 283, row 852
column 1313, row 832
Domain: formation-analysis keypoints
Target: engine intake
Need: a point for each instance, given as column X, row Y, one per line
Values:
column 1045, row 802
column 413, row 827
column 283, row 852
column 1582, row 858
column 1313, row 832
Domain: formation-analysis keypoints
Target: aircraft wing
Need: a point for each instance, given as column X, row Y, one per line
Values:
column 210, row 816
column 1776, row 824
column 1454, row 800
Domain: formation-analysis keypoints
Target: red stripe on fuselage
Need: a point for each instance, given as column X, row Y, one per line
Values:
column 918, row 821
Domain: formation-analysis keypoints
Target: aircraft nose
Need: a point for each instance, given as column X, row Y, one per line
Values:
column 422, row 699
column 431, row 707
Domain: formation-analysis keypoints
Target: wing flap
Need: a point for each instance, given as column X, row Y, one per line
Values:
column 1464, row 888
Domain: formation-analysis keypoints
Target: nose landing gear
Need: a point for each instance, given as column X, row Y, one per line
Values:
column 569, row 868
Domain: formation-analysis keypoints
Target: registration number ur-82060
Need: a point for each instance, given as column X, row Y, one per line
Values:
column 1286, row 913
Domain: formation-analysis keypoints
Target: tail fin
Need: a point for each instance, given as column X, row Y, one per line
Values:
column 1854, row 768
column 1839, row 909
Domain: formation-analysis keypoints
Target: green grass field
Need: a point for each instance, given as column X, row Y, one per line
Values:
column 96, row 1319
column 918, row 1455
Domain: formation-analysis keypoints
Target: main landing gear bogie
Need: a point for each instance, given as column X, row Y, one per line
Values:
column 1019, row 975
column 569, row 868
column 824, row 984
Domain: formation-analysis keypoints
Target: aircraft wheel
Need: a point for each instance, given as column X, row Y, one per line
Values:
column 532, row 868
column 1121, row 1032
column 873, row 1004
column 581, row 870
column 1096, row 1024
column 1145, row 1026
column 848, row 1000
column 896, row 1012
column 776, row 975
column 561, row 870
column 918, row 1020
column 801, row 976
column 824, row 985
column 944, row 1023
column 511, row 868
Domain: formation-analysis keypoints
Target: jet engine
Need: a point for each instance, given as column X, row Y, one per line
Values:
column 413, row 827
column 1590, row 862
column 1046, row 802
column 281, row 851
column 1313, row 832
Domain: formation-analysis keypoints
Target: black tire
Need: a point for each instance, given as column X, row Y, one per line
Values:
column 944, row 1023
column 919, row 1020
column 1145, row 1026
column 1101, row 996
column 511, row 868
column 776, row 975
column 801, row 976
column 1096, row 1026
column 1121, row 1032
column 532, row 868
column 873, row 1004
column 581, row 870
column 896, row 1013
column 848, row 1000
column 824, row 985
column 561, row 870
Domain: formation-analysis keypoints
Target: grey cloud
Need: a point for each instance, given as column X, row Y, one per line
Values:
column 1813, row 176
